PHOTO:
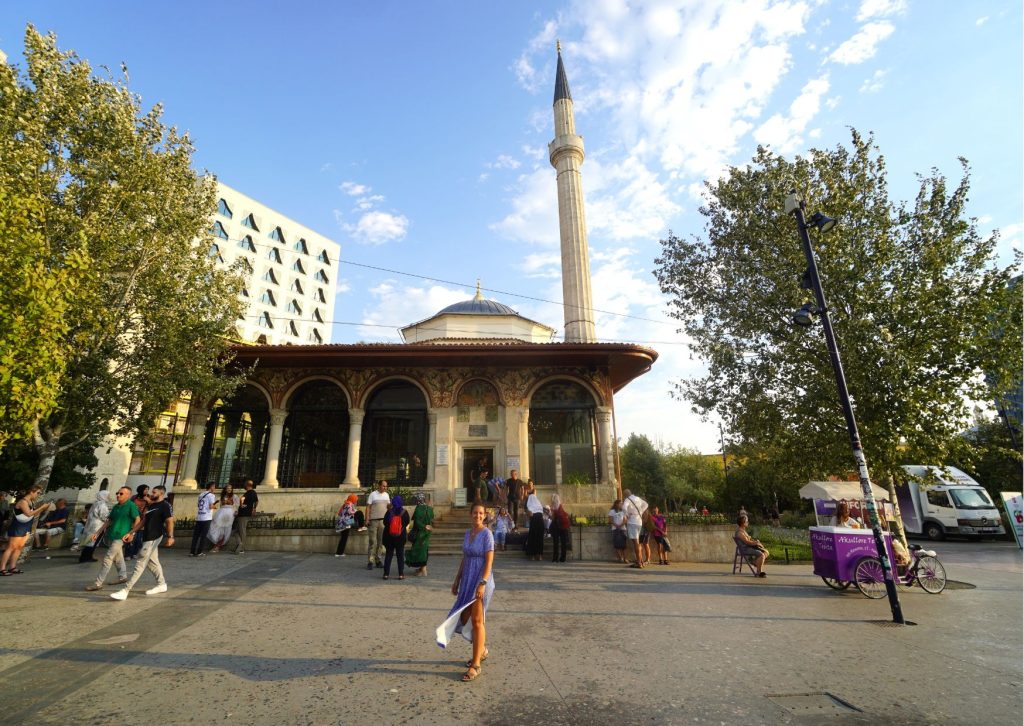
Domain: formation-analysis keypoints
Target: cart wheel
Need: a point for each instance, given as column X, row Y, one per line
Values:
column 839, row 585
column 931, row 574
column 870, row 578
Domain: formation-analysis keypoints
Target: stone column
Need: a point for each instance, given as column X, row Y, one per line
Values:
column 431, row 447
column 524, row 443
column 194, row 437
column 355, row 437
column 277, row 419
column 605, row 446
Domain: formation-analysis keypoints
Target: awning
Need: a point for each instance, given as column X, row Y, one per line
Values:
column 840, row 490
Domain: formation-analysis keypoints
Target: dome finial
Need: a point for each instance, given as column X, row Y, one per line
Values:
column 478, row 295
column 558, row 46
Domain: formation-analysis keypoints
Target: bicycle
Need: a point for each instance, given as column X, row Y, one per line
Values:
column 924, row 570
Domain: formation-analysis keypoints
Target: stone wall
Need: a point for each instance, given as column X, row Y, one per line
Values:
column 705, row 543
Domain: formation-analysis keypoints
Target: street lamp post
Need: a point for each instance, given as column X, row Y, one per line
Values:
column 795, row 206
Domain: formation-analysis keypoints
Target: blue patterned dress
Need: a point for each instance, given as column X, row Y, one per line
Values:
column 474, row 556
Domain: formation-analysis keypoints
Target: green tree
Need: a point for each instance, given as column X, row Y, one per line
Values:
column 692, row 478
column 36, row 286
column 914, row 297
column 641, row 468
column 150, row 314
column 991, row 457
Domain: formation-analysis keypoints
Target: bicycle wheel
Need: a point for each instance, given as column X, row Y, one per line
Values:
column 870, row 578
column 931, row 574
column 838, row 585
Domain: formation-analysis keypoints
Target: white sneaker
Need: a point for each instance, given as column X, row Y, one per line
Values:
column 119, row 595
column 156, row 590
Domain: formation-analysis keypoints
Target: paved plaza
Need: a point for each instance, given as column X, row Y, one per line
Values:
column 270, row 638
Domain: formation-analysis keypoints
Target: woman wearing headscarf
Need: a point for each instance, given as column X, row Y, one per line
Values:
column 344, row 522
column 395, row 523
column 535, row 511
column 98, row 514
column 422, row 525
column 560, row 527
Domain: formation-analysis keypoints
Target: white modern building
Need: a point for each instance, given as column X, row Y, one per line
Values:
column 291, row 279
column 291, row 270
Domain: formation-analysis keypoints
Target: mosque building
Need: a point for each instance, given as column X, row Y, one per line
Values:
column 475, row 387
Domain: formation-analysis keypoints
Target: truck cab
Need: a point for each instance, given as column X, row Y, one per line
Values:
column 936, row 502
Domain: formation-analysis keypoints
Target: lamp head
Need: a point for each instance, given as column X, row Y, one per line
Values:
column 804, row 317
column 823, row 223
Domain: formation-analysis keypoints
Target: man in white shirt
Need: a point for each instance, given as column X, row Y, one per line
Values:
column 376, row 507
column 204, row 517
column 634, row 507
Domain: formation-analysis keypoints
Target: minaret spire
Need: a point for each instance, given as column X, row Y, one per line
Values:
column 566, row 155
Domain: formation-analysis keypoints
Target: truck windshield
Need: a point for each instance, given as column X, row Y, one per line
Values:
column 971, row 499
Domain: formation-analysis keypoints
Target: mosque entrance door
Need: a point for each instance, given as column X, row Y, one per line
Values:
column 475, row 461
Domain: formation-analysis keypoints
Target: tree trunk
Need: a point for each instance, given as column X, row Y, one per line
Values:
column 896, row 508
column 47, row 449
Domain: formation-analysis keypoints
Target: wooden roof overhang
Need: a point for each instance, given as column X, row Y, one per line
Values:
column 623, row 361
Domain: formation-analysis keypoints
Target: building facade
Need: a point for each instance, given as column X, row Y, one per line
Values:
column 474, row 388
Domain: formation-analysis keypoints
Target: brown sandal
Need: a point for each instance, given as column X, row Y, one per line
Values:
column 471, row 674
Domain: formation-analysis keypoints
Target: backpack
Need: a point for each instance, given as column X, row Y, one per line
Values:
column 395, row 525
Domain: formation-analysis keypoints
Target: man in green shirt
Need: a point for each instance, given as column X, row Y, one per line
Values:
column 123, row 516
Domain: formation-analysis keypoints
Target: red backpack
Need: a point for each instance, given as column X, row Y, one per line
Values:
column 395, row 525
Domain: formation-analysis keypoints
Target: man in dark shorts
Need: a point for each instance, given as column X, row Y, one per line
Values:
column 157, row 522
column 53, row 526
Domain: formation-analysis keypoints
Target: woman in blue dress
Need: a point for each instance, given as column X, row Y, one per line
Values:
column 473, row 587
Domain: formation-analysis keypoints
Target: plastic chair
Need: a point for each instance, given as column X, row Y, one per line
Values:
column 739, row 559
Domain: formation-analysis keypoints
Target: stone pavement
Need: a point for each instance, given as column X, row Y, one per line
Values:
column 270, row 638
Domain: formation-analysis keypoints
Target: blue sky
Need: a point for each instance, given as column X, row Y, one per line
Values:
column 415, row 133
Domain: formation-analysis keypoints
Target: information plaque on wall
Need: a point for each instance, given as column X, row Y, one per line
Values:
column 442, row 455
column 478, row 430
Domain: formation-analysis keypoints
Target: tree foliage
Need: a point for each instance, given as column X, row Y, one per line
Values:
column 36, row 286
column 149, row 314
column 641, row 467
column 913, row 292
column 993, row 457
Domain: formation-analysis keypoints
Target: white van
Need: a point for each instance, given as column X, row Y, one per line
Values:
column 939, row 501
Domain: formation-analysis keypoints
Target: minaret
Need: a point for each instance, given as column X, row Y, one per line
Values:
column 566, row 155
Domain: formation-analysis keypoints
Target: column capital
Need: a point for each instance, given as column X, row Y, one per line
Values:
column 278, row 416
column 432, row 417
column 604, row 414
column 355, row 416
column 524, row 415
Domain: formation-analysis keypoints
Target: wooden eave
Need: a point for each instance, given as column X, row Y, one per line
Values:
column 624, row 362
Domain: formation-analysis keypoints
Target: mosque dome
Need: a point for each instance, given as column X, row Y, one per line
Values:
column 477, row 319
column 478, row 306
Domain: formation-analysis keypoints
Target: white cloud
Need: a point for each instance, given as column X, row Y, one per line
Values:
column 880, row 9
column 395, row 304
column 354, row 189
column 875, row 83
column 378, row 227
column 863, row 45
column 534, row 215
column 782, row 133
column 981, row 21
column 542, row 264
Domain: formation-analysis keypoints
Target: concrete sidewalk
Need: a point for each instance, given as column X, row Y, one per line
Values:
column 292, row 638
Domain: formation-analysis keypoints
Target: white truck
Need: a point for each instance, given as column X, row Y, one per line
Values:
column 936, row 501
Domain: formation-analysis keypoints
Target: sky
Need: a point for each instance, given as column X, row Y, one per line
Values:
column 414, row 134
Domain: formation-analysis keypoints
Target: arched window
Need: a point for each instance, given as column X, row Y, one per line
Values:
column 314, row 446
column 218, row 230
column 246, row 244
column 563, row 428
column 394, row 439
column 223, row 208
column 235, row 445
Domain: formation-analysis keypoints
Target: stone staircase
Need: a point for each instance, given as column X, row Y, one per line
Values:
column 449, row 529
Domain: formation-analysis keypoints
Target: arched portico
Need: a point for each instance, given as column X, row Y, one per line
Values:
column 394, row 436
